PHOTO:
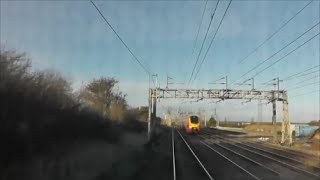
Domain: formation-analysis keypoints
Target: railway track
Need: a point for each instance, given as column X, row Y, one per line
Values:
column 264, row 156
column 283, row 157
column 185, row 172
column 217, row 164
column 293, row 155
column 173, row 155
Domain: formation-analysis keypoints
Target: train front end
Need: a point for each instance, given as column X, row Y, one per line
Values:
column 193, row 125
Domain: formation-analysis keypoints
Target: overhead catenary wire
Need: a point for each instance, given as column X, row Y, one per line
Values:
column 267, row 83
column 274, row 33
column 306, row 74
column 307, row 93
column 122, row 41
column 294, row 40
column 304, row 85
column 204, row 39
column 296, row 74
column 314, row 77
column 286, row 55
column 212, row 40
column 302, row 75
column 195, row 41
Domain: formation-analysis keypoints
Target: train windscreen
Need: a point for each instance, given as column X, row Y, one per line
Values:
column 194, row 119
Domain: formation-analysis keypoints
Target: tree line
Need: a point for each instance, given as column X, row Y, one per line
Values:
column 40, row 112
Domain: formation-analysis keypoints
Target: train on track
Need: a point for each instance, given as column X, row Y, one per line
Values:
column 193, row 125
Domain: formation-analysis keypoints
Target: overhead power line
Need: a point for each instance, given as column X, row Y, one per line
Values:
column 135, row 57
column 304, row 85
column 307, row 93
column 314, row 77
column 286, row 55
column 296, row 74
column 195, row 41
column 259, row 64
column 268, row 82
column 306, row 74
column 274, row 33
column 205, row 55
column 204, row 39
column 302, row 75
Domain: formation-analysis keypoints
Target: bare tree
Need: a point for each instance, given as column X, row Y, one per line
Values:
column 14, row 69
column 102, row 95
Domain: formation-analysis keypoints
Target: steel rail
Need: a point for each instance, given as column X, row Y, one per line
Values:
column 276, row 154
column 206, row 171
column 268, row 157
column 247, row 158
column 252, row 175
column 173, row 156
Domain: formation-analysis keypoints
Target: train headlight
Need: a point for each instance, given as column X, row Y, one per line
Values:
column 190, row 127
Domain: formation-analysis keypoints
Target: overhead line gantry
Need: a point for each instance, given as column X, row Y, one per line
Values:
column 155, row 94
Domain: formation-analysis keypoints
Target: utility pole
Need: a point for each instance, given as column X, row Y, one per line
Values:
column 226, row 82
column 216, row 117
column 245, row 83
column 274, row 108
column 252, row 83
column 205, row 120
column 274, row 117
column 259, row 120
column 168, row 82
column 149, row 115
column 286, row 129
column 278, row 85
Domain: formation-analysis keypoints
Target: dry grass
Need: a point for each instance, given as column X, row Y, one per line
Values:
column 263, row 128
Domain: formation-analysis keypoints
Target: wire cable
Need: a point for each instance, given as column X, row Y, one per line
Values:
column 135, row 57
column 275, row 32
column 307, row 93
column 259, row 64
column 304, row 85
column 195, row 41
column 204, row 39
column 203, row 59
column 293, row 75
column 286, row 55
column 303, row 75
column 314, row 77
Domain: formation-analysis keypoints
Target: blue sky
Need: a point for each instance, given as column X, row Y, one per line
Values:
column 71, row 38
